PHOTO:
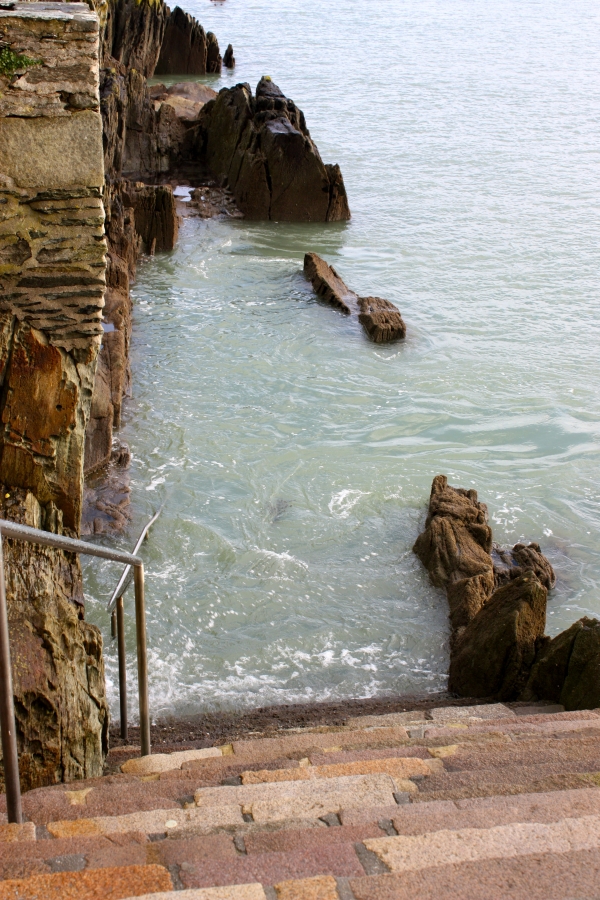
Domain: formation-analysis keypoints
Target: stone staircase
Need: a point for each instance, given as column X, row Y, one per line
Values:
column 458, row 802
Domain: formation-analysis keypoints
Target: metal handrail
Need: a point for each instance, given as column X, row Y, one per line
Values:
column 7, row 710
column 116, row 609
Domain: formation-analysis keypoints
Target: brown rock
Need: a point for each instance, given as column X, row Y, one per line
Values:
column 512, row 563
column 132, row 34
column 262, row 150
column 567, row 668
column 493, row 655
column 380, row 319
column 328, row 284
column 455, row 549
column 213, row 57
column 229, row 58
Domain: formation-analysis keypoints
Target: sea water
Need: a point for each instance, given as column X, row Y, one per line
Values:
column 295, row 458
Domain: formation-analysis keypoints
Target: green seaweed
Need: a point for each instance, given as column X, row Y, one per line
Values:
column 11, row 62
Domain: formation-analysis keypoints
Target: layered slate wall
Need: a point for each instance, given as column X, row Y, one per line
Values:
column 52, row 285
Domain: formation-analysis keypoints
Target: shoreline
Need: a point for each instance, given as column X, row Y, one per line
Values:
column 215, row 728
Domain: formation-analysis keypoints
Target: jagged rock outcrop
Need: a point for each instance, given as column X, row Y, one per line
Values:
column 380, row 319
column 132, row 33
column 229, row 58
column 493, row 655
column 497, row 602
column 52, row 284
column 455, row 549
column 567, row 668
column 260, row 148
column 186, row 48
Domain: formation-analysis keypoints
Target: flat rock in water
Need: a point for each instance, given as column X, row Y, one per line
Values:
column 328, row 284
column 380, row 319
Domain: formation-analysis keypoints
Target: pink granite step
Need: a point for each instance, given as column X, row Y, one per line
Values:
column 418, row 818
column 46, row 856
column 337, row 859
column 542, row 876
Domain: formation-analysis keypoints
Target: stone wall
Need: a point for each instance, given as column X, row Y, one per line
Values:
column 52, row 285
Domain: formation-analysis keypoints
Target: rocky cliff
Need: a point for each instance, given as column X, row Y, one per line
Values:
column 52, row 284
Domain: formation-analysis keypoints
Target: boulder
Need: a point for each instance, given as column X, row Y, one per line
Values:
column 229, row 58
column 567, row 668
column 186, row 48
column 380, row 319
column 493, row 655
column 260, row 148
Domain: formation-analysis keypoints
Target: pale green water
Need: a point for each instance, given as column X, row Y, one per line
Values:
column 296, row 457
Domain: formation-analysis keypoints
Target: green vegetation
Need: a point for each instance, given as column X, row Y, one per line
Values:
column 11, row 62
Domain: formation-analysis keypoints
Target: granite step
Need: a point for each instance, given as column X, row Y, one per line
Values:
column 504, row 779
column 233, row 892
column 40, row 857
column 123, row 794
column 230, row 806
column 573, row 875
column 98, row 884
column 406, row 853
column 399, row 768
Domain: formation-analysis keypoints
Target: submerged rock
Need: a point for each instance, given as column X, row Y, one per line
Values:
column 211, row 201
column 493, row 655
column 567, row 668
column 261, row 149
column 380, row 319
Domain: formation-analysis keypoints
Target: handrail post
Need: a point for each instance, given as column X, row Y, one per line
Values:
column 7, row 711
column 142, row 659
column 120, row 617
